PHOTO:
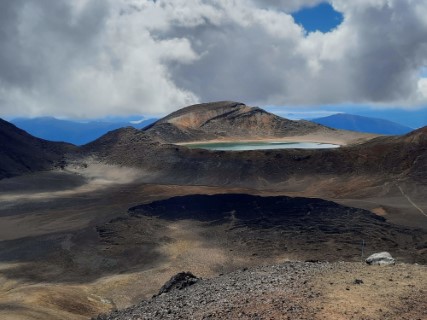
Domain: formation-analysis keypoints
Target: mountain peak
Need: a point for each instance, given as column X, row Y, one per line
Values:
column 193, row 116
column 226, row 120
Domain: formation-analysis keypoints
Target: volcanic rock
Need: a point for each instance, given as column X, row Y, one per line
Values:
column 178, row 282
column 380, row 258
column 292, row 290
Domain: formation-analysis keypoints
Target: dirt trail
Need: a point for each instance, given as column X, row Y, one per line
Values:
column 410, row 201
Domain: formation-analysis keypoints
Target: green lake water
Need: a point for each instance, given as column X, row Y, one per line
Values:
column 242, row 146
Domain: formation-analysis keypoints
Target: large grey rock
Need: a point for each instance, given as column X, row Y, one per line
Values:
column 381, row 259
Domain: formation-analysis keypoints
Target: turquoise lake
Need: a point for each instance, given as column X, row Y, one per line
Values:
column 243, row 146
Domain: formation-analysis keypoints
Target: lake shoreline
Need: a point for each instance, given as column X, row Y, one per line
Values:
column 306, row 138
column 261, row 145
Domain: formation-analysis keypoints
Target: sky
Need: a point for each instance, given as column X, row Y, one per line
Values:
column 93, row 58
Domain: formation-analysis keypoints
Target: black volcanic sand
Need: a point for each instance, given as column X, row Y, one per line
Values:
column 241, row 228
column 77, row 244
column 47, row 181
column 303, row 228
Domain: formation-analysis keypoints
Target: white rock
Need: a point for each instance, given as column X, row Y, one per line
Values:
column 381, row 259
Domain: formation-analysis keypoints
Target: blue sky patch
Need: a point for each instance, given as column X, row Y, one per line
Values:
column 322, row 17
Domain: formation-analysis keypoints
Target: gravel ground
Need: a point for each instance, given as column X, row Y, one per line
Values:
column 295, row 290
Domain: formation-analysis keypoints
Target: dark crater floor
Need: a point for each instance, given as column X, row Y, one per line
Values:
column 274, row 227
column 260, row 212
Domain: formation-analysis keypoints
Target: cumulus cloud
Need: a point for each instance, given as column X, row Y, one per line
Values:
column 89, row 58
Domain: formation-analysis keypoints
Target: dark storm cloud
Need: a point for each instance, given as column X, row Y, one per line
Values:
column 11, row 71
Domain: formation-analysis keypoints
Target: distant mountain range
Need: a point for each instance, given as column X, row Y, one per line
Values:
column 384, row 157
column 75, row 132
column 80, row 133
column 352, row 122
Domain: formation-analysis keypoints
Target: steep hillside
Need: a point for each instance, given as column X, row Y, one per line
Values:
column 22, row 153
column 362, row 124
column 380, row 158
column 225, row 120
column 397, row 154
column 128, row 139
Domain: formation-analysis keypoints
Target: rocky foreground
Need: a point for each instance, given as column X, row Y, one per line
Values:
column 294, row 290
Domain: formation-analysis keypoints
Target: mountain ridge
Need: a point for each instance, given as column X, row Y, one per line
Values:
column 358, row 123
column 21, row 152
column 387, row 156
column 228, row 120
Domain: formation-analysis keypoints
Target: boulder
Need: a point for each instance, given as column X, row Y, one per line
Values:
column 178, row 282
column 381, row 259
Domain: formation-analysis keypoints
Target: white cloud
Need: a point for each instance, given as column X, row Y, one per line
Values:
column 90, row 58
column 422, row 89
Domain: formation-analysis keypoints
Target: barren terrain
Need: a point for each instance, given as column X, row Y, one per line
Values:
column 55, row 265
column 113, row 220
column 305, row 291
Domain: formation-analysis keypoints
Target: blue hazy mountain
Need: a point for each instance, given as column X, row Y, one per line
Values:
column 362, row 124
column 76, row 132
